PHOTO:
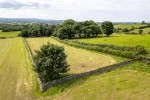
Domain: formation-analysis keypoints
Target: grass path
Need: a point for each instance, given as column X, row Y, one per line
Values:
column 80, row 60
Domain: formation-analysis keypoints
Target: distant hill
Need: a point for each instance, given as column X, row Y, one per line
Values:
column 29, row 20
column 35, row 20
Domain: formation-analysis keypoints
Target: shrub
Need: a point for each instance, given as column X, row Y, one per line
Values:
column 50, row 61
column 125, row 30
column 140, row 31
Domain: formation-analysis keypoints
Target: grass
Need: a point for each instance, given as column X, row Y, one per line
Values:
column 80, row 60
column 117, row 85
column 9, row 34
column 145, row 30
column 18, row 80
column 16, row 74
column 122, row 40
column 128, row 26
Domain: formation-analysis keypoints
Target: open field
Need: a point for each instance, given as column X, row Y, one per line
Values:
column 18, row 80
column 122, row 40
column 128, row 26
column 9, row 34
column 16, row 74
column 145, row 30
column 117, row 85
column 80, row 60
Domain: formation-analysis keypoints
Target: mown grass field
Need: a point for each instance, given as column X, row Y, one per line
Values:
column 16, row 74
column 128, row 26
column 80, row 60
column 9, row 34
column 122, row 40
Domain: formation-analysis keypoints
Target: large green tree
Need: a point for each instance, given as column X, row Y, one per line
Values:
column 107, row 28
column 50, row 61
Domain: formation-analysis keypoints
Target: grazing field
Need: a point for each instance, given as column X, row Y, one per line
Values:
column 9, row 34
column 80, row 60
column 122, row 40
column 128, row 26
column 145, row 30
column 114, row 85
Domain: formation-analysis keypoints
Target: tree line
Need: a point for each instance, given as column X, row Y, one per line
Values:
column 37, row 30
column 72, row 29
column 68, row 29
column 9, row 27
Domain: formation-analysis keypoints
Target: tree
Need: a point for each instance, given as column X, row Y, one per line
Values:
column 143, row 22
column 125, row 30
column 50, row 61
column 140, row 31
column 69, row 22
column 107, row 28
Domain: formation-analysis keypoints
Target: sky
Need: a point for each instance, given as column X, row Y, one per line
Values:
column 79, row 10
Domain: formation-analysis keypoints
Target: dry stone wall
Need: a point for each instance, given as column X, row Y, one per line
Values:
column 45, row 86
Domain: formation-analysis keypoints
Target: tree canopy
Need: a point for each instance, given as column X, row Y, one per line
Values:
column 107, row 28
column 50, row 61
column 71, row 29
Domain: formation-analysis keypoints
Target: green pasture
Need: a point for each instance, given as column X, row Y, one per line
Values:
column 145, row 30
column 8, row 34
column 128, row 26
column 121, row 40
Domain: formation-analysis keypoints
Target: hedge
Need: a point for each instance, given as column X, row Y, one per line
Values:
column 108, row 50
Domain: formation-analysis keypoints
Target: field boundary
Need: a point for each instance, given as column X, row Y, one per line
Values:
column 145, row 60
column 77, row 76
column 45, row 86
column 41, row 85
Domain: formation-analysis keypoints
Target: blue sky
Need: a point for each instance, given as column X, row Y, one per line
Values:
column 97, row 10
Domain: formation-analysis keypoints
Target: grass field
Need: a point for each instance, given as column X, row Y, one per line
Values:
column 122, row 40
column 80, row 60
column 114, row 85
column 18, row 80
column 9, row 34
column 16, row 74
column 128, row 26
column 145, row 30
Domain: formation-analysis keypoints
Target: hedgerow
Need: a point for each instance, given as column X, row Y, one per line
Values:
column 105, row 49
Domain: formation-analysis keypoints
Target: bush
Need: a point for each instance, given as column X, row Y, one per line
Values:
column 50, row 61
column 140, row 31
column 125, row 30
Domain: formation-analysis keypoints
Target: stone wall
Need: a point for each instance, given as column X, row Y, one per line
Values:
column 77, row 76
column 41, row 85
column 145, row 60
column 45, row 86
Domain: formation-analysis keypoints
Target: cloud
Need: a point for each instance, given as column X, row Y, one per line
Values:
column 98, row 10
column 19, row 5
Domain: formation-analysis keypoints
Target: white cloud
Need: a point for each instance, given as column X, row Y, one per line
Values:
column 98, row 10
